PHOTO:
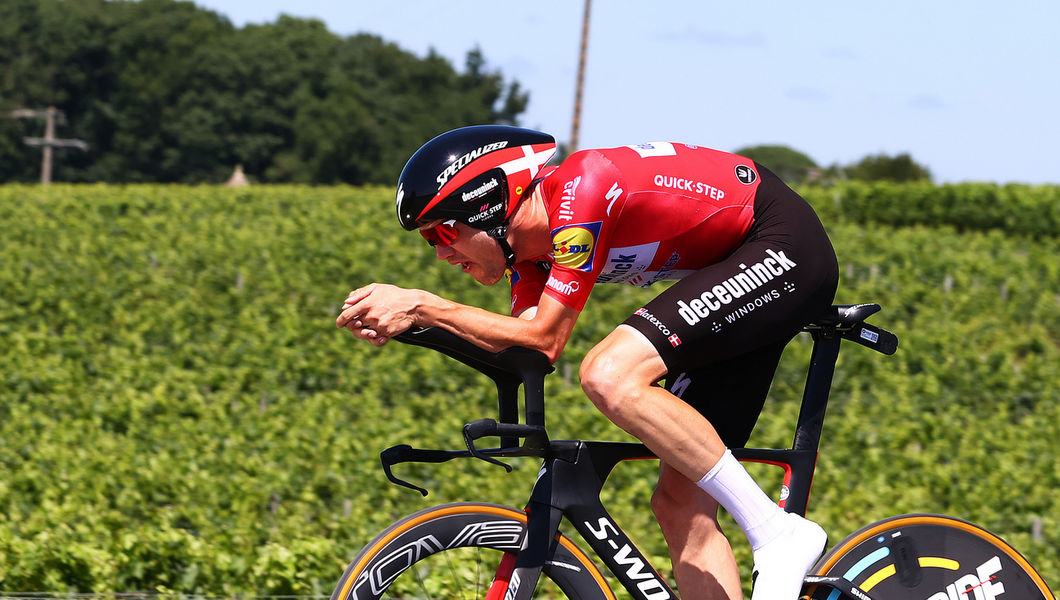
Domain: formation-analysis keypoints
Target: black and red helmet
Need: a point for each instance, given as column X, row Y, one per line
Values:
column 475, row 175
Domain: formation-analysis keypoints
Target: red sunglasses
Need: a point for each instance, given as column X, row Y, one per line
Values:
column 442, row 234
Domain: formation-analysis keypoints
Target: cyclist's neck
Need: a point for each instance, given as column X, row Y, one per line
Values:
column 528, row 231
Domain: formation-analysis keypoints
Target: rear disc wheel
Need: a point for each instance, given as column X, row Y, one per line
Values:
column 933, row 557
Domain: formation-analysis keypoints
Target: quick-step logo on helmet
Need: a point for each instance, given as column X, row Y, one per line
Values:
column 485, row 212
column 465, row 160
column 749, row 279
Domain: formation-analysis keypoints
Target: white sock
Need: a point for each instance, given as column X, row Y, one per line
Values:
column 731, row 485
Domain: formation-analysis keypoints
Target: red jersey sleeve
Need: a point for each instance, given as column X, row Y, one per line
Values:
column 583, row 193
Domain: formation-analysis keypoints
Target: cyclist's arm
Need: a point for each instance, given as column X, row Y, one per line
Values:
column 545, row 327
column 378, row 311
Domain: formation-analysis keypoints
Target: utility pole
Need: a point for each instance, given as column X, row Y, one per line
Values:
column 49, row 141
column 581, row 81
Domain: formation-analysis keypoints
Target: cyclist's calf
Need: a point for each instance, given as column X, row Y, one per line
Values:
column 701, row 556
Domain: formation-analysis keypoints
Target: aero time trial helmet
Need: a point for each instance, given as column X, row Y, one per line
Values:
column 475, row 175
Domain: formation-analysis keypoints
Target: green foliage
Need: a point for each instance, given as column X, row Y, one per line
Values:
column 797, row 168
column 178, row 412
column 165, row 91
column 787, row 163
column 1014, row 208
column 881, row 167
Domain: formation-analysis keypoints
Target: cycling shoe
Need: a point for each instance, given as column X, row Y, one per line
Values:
column 781, row 563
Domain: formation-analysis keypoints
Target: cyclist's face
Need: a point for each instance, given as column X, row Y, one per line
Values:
column 474, row 251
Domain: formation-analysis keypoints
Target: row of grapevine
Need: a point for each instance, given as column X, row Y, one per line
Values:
column 178, row 412
column 1016, row 209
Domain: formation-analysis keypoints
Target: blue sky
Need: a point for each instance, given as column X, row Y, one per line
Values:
column 970, row 88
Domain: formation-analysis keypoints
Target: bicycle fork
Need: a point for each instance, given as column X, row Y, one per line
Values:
column 569, row 485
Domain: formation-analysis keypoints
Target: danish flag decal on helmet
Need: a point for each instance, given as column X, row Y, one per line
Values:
column 475, row 175
column 519, row 164
column 534, row 157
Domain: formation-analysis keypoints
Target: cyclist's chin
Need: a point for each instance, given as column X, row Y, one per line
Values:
column 483, row 275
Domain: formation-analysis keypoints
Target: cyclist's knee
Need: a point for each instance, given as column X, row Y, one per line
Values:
column 597, row 374
column 597, row 369
column 606, row 382
column 614, row 374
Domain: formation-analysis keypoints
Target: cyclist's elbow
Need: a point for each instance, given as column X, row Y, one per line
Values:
column 553, row 352
column 549, row 328
column 550, row 343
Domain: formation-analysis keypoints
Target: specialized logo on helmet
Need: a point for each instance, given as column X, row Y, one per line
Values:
column 574, row 245
column 455, row 166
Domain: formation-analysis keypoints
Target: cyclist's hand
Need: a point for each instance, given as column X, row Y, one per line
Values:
column 376, row 312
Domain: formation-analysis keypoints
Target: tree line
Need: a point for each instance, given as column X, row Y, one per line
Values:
column 795, row 167
column 165, row 91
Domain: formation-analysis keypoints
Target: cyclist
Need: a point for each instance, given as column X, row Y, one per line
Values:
column 752, row 263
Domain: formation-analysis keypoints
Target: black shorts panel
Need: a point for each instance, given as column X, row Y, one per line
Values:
column 730, row 393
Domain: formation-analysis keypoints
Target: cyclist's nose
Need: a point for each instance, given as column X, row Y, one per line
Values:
column 442, row 252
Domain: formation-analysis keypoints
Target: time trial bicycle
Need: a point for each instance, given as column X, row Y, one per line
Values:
column 472, row 549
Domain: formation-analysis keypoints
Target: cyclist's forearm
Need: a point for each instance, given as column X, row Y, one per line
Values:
column 545, row 332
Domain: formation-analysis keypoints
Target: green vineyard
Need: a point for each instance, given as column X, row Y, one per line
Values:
column 178, row 412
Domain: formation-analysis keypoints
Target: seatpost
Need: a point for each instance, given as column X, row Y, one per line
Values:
column 803, row 453
column 818, row 383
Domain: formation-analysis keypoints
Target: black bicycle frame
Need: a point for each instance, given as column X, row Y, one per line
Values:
column 574, row 471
